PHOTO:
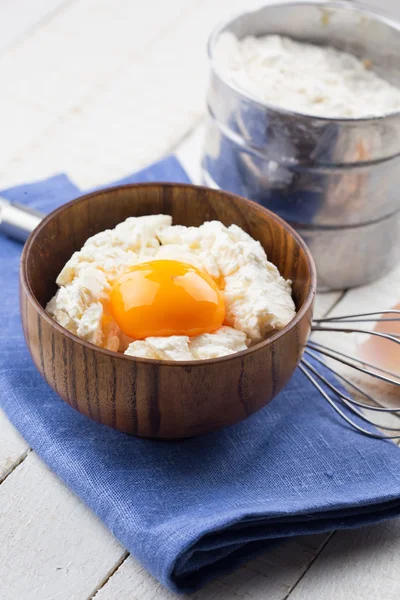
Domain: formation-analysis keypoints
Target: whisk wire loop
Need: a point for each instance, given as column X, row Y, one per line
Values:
column 361, row 317
column 355, row 359
column 379, row 408
column 312, row 379
column 352, row 362
column 333, row 394
column 347, row 401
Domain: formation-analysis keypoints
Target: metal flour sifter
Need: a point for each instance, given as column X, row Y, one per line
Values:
column 336, row 181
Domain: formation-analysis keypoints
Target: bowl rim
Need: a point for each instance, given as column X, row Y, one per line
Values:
column 160, row 362
column 353, row 6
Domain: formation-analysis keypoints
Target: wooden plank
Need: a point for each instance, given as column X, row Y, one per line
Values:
column 380, row 294
column 19, row 17
column 189, row 153
column 359, row 564
column 89, row 63
column 324, row 303
column 275, row 572
column 52, row 546
column 12, row 447
column 126, row 91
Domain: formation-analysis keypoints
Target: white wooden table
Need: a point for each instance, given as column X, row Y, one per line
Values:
column 98, row 89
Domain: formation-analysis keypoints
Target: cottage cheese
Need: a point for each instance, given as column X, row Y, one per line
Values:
column 257, row 299
column 180, row 347
column 305, row 78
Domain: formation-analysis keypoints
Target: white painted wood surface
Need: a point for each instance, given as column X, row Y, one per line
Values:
column 19, row 18
column 43, row 527
column 99, row 88
column 271, row 576
column 356, row 565
column 13, row 447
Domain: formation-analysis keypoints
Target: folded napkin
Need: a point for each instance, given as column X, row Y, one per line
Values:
column 190, row 510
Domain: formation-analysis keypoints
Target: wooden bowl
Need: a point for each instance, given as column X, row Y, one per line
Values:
column 151, row 398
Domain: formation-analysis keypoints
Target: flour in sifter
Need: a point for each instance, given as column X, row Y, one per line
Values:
column 305, row 78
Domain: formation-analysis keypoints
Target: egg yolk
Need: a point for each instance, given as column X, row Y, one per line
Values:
column 166, row 297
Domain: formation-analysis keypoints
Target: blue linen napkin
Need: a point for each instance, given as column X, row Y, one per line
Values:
column 190, row 510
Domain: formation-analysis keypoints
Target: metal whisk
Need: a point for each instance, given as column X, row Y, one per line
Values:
column 336, row 397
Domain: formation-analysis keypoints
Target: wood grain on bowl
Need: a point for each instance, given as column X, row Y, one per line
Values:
column 160, row 399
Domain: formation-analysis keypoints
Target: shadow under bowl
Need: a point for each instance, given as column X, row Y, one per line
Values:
column 151, row 398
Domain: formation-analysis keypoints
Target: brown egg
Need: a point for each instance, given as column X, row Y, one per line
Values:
column 381, row 352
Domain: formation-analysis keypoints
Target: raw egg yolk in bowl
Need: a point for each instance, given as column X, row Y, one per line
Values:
column 166, row 297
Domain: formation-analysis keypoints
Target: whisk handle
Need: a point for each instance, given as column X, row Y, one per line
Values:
column 18, row 221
